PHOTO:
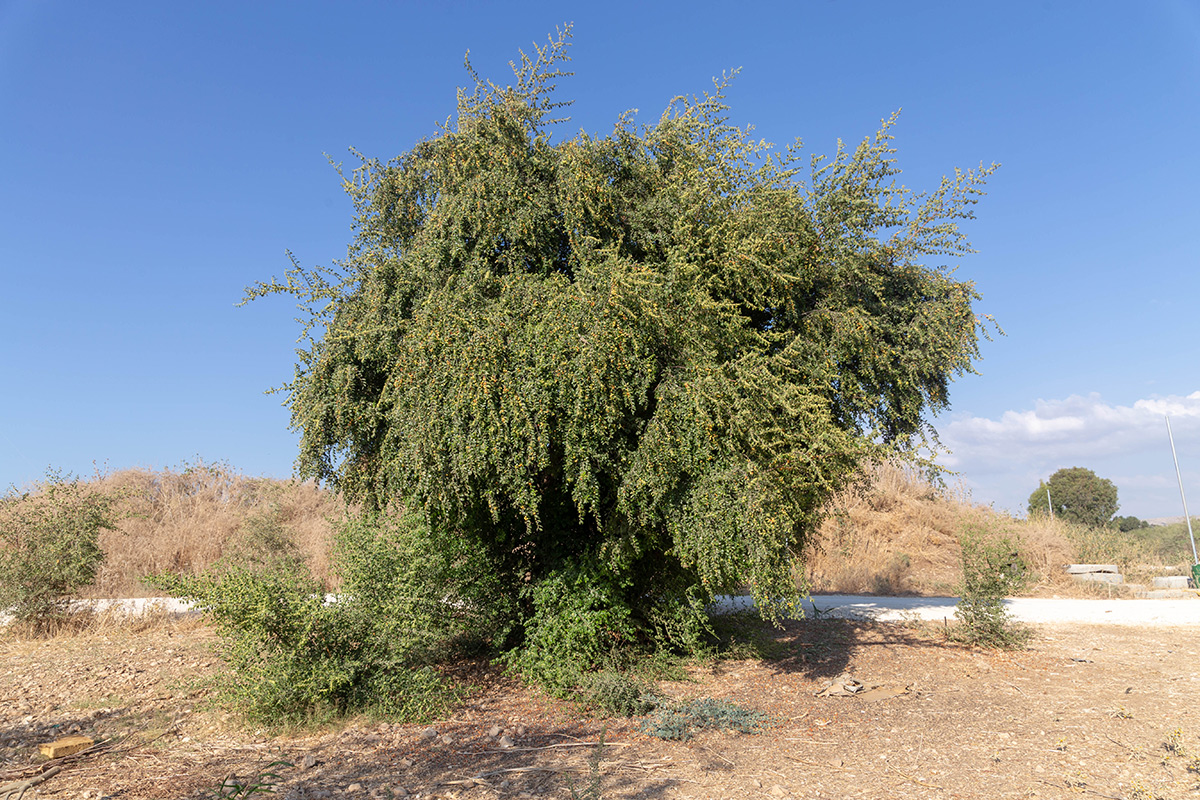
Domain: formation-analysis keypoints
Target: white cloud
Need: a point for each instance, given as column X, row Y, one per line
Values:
column 1003, row 459
column 1075, row 427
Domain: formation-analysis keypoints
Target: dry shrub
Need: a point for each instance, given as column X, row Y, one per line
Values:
column 152, row 619
column 182, row 520
column 893, row 532
column 1047, row 549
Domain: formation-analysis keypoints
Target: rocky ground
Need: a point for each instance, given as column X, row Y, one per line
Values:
column 1086, row 710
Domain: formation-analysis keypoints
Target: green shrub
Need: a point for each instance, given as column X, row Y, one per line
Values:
column 584, row 620
column 579, row 624
column 296, row 657
column 50, row 549
column 621, row 693
column 993, row 569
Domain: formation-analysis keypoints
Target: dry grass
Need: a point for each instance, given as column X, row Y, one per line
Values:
column 895, row 533
column 184, row 520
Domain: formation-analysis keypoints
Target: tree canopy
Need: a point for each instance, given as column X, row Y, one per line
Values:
column 626, row 369
column 1077, row 495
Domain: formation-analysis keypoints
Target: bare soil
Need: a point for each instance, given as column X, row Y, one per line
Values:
column 1084, row 711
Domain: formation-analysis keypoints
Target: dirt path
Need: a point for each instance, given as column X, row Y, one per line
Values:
column 1087, row 711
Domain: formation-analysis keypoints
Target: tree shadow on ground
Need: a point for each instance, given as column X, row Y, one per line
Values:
column 816, row 648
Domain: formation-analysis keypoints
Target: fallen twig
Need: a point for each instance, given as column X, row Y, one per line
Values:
column 718, row 755
column 554, row 746
column 483, row 776
column 1085, row 789
column 1114, row 741
column 812, row 763
column 16, row 790
column 911, row 778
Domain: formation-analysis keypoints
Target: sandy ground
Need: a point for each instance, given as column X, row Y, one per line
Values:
column 1084, row 711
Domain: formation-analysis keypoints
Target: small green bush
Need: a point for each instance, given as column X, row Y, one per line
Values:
column 993, row 569
column 618, row 693
column 579, row 624
column 50, row 549
column 583, row 621
column 680, row 721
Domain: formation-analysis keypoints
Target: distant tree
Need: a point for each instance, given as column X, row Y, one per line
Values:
column 626, row 371
column 1126, row 524
column 1078, row 495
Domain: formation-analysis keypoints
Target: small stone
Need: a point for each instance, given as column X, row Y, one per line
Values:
column 404, row 763
column 447, row 739
column 429, row 733
column 506, row 741
column 777, row 791
column 354, row 787
column 308, row 762
column 520, row 730
column 495, row 731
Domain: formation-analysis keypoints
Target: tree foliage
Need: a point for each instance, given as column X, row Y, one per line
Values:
column 626, row 370
column 1127, row 524
column 1077, row 495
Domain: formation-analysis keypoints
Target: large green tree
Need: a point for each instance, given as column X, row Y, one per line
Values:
column 627, row 369
column 1077, row 495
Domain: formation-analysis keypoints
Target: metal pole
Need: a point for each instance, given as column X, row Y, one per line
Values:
column 1179, row 477
column 1049, row 505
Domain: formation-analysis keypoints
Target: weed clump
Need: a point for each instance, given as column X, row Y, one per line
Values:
column 681, row 721
column 264, row 781
column 993, row 568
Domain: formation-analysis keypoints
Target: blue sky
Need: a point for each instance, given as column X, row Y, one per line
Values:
column 159, row 157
